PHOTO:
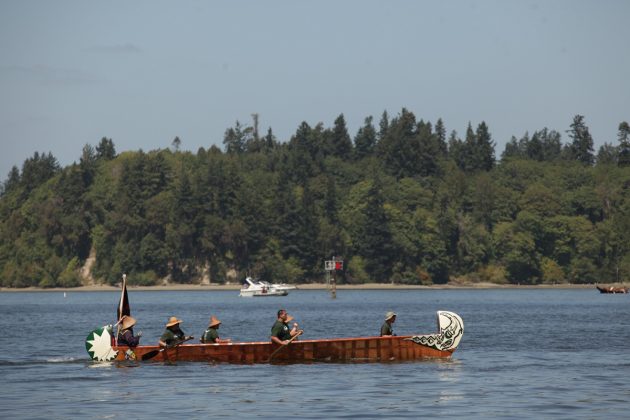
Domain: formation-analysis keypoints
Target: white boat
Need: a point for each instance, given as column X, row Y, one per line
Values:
column 279, row 287
column 253, row 288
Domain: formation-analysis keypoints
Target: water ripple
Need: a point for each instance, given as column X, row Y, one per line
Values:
column 526, row 354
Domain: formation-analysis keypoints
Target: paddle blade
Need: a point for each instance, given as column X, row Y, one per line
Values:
column 153, row 353
column 150, row 355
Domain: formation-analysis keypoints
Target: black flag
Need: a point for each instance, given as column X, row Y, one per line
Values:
column 123, row 305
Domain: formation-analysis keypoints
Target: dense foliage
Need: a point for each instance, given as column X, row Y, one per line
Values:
column 400, row 202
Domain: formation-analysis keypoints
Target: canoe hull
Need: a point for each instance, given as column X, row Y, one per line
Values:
column 361, row 349
column 100, row 346
column 613, row 290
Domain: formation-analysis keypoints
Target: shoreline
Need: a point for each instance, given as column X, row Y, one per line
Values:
column 307, row 286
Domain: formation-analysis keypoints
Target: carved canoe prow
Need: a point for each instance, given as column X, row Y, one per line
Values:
column 451, row 330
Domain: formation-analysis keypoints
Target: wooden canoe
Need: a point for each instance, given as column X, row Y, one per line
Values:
column 612, row 289
column 358, row 349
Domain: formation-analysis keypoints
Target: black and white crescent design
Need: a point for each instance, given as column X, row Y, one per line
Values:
column 451, row 329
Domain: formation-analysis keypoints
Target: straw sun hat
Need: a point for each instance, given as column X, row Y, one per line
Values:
column 213, row 322
column 173, row 321
column 128, row 322
column 389, row 315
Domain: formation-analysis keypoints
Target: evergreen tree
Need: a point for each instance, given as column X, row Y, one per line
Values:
column 551, row 144
column 513, row 149
column 383, row 126
column 534, row 148
column 456, row 149
column 254, row 143
column 440, row 132
column 468, row 158
column 331, row 200
column 182, row 233
column 581, row 148
column 607, row 155
column 37, row 170
column 105, row 149
column 255, row 134
column 365, row 140
column 374, row 243
column 428, row 150
column 236, row 138
column 399, row 148
column 303, row 150
column 87, row 164
column 270, row 140
column 544, row 145
column 13, row 180
column 624, row 144
column 156, row 174
column 291, row 217
column 484, row 149
column 341, row 143
column 176, row 143
column 228, row 189
column 308, row 231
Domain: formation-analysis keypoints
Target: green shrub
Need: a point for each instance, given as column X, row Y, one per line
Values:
column 146, row 278
column 69, row 277
column 356, row 271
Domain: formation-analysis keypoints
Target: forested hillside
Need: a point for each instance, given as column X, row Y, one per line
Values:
column 400, row 201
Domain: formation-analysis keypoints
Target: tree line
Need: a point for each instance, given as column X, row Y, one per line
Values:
column 401, row 201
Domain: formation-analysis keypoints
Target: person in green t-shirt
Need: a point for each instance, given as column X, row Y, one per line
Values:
column 211, row 335
column 280, row 332
column 173, row 335
column 386, row 329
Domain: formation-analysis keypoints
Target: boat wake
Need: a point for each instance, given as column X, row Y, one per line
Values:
column 50, row 360
column 64, row 360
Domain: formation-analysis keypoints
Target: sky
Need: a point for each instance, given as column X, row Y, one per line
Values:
column 144, row 72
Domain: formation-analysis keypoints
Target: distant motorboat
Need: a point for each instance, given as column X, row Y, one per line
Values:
column 255, row 288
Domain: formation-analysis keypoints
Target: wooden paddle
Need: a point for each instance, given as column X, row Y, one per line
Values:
column 153, row 353
column 284, row 345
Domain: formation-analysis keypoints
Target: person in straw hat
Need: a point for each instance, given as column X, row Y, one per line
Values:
column 280, row 332
column 125, row 335
column 211, row 335
column 386, row 329
column 173, row 334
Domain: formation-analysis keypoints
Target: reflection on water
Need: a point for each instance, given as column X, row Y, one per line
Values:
column 449, row 371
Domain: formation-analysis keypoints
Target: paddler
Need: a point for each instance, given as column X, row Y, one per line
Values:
column 173, row 334
column 211, row 335
column 125, row 335
column 280, row 332
column 386, row 329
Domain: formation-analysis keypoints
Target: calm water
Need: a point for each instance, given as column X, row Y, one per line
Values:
column 524, row 354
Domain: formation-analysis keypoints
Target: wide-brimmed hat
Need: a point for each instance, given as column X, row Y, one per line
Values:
column 213, row 322
column 389, row 315
column 127, row 322
column 289, row 318
column 173, row 321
